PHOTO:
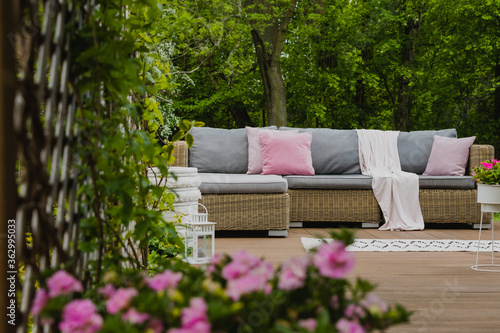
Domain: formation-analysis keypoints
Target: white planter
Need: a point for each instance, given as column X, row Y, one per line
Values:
column 489, row 197
column 488, row 193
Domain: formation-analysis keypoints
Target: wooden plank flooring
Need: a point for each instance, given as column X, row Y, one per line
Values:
column 445, row 294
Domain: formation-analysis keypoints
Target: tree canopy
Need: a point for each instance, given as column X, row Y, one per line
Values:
column 387, row 64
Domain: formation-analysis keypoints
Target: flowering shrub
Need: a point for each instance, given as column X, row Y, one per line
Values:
column 238, row 293
column 488, row 172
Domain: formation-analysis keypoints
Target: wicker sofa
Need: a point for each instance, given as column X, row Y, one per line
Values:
column 338, row 192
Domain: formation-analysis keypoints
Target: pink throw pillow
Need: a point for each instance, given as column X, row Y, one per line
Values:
column 286, row 155
column 255, row 148
column 449, row 156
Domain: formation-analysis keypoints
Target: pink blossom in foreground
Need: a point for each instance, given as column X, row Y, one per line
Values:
column 245, row 285
column 62, row 283
column 120, row 300
column 80, row 316
column 354, row 311
column 348, row 326
column 154, row 326
column 194, row 318
column 241, row 263
column 293, row 273
column 135, row 317
column 214, row 261
column 334, row 302
column 487, row 165
column 333, row 260
column 374, row 303
column 309, row 324
column 164, row 280
column 107, row 291
column 39, row 302
column 246, row 274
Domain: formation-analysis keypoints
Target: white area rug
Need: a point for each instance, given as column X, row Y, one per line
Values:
column 410, row 245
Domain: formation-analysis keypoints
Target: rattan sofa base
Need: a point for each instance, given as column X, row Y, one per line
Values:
column 307, row 205
column 450, row 206
column 248, row 211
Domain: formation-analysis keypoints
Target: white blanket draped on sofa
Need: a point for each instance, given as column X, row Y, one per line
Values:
column 396, row 191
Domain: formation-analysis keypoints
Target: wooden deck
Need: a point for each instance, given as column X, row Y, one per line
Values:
column 445, row 294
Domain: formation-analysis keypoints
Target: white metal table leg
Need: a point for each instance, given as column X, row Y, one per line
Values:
column 487, row 208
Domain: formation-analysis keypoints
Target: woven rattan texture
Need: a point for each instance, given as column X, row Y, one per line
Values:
column 479, row 153
column 333, row 206
column 248, row 211
column 181, row 154
column 450, row 206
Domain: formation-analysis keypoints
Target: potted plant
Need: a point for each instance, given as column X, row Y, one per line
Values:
column 487, row 176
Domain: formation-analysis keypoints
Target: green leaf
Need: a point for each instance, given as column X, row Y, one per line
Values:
column 177, row 136
column 189, row 140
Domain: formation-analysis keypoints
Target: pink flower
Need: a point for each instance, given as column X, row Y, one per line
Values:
column 487, row 165
column 348, row 326
column 162, row 281
column 194, row 318
column 197, row 312
column 245, row 285
column 107, row 291
column 354, row 311
column 373, row 302
column 333, row 260
column 241, row 263
column 39, row 302
column 245, row 274
column 293, row 273
column 120, row 300
column 213, row 262
column 80, row 316
column 234, row 270
column 62, row 283
column 154, row 325
column 309, row 324
column 334, row 301
column 135, row 317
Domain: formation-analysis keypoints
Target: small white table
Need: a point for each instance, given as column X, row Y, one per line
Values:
column 487, row 208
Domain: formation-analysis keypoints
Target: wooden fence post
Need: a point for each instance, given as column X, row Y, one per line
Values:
column 8, row 147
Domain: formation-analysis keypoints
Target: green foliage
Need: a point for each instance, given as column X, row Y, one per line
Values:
column 124, row 75
column 488, row 172
column 345, row 64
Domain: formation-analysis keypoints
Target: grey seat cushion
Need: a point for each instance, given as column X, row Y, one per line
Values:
column 330, row 182
column 414, row 148
column 220, row 150
column 217, row 183
column 447, row 182
column 333, row 152
column 362, row 182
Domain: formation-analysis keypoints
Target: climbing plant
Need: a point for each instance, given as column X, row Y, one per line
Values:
column 91, row 85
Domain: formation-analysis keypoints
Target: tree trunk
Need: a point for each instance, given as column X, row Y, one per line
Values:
column 269, row 43
column 240, row 114
column 401, row 115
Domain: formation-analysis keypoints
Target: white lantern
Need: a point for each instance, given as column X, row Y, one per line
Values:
column 199, row 240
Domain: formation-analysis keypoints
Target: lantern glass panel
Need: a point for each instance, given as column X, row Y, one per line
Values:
column 199, row 242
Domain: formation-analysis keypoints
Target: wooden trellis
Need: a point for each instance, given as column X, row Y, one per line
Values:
column 44, row 123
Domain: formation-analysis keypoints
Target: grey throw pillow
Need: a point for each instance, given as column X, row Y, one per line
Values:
column 218, row 150
column 415, row 147
column 334, row 152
